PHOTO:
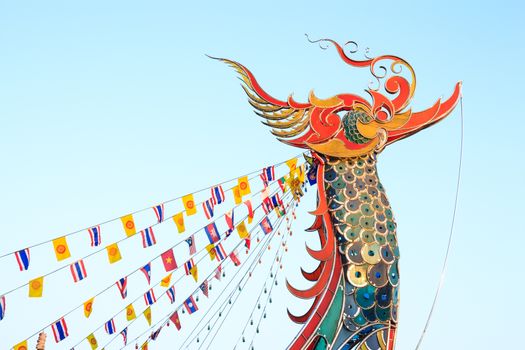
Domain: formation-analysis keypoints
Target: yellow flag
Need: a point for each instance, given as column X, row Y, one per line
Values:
column 88, row 307
column 130, row 312
column 189, row 204
column 61, row 248
column 194, row 272
column 211, row 250
column 242, row 231
column 129, row 225
column 36, row 287
column 92, row 341
column 166, row 281
column 302, row 173
column 113, row 253
column 147, row 314
column 292, row 163
column 244, row 186
column 144, row 346
column 179, row 221
column 21, row 346
column 237, row 195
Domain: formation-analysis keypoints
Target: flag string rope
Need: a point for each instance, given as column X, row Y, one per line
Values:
column 228, row 299
column 154, row 258
column 451, row 233
column 231, row 281
column 264, row 286
column 165, row 318
column 144, row 209
column 127, row 237
column 254, row 307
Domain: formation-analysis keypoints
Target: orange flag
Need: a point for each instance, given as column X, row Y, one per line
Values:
column 211, row 250
column 189, row 204
column 166, row 281
column 242, row 231
column 21, row 346
column 61, row 248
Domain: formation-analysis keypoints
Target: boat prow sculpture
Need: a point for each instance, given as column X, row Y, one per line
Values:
column 356, row 290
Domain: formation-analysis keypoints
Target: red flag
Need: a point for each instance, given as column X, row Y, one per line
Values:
column 169, row 260
column 229, row 221
column 176, row 320
column 235, row 258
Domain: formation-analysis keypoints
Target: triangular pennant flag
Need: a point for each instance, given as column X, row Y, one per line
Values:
column 61, row 248
column 204, row 288
column 122, row 285
column 229, row 217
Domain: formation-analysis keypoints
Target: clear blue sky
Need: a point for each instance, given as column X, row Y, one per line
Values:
column 108, row 107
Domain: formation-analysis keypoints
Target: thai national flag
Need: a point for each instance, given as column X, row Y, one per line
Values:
column 159, row 211
column 208, row 206
column 191, row 244
column 2, row 307
column 267, row 205
column 122, row 285
column 78, row 270
column 268, row 175
column 148, row 238
column 276, row 201
column 125, row 335
column 188, row 265
column 110, row 327
column 266, row 225
column 60, row 330
column 149, row 297
column 94, row 234
column 190, row 305
column 22, row 257
column 217, row 194
column 146, row 270
column 171, row 294
column 212, row 233
column 221, row 253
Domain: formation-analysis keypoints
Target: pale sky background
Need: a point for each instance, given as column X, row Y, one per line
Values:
column 109, row 107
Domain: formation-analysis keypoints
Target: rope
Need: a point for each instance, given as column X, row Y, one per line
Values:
column 451, row 234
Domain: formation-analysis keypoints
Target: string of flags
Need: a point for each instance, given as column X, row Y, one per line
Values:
column 215, row 249
column 190, row 303
column 175, row 317
column 114, row 255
